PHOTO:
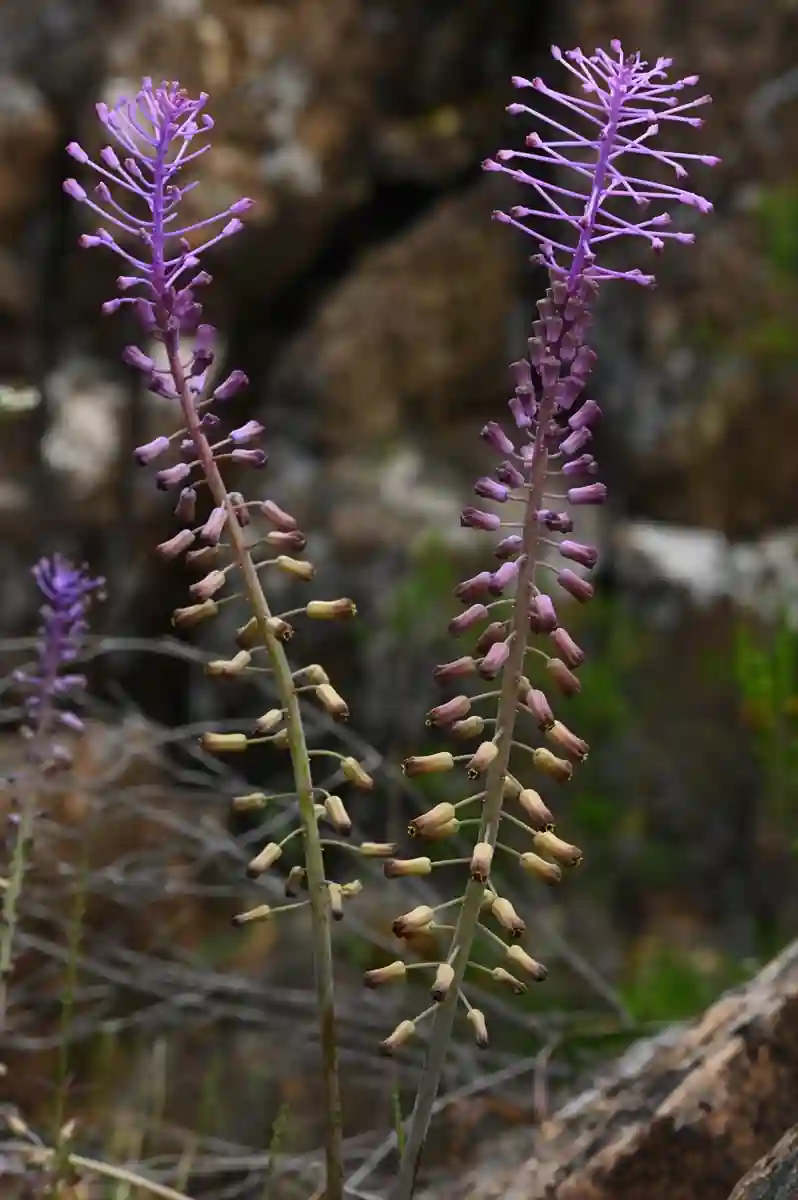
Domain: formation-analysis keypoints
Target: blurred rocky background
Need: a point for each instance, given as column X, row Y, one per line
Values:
column 375, row 308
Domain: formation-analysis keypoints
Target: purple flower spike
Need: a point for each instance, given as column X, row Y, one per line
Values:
column 605, row 137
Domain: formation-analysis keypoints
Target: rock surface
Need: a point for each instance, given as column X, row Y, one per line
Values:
column 679, row 1117
column 774, row 1177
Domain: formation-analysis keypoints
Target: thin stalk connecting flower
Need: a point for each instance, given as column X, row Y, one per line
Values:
column 156, row 136
column 547, row 457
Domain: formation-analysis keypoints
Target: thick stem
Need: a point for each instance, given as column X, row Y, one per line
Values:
column 303, row 781
column 463, row 937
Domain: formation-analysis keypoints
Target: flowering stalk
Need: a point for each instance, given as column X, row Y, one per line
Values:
column 157, row 133
column 546, row 461
column 49, row 695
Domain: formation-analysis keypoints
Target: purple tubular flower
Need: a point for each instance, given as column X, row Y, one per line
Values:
column 67, row 591
column 497, row 439
column 576, row 441
column 592, row 493
column 570, row 653
column 508, row 473
column 467, row 620
column 494, row 660
column 510, row 546
column 587, row 415
column 584, row 465
column 578, row 587
column 246, row 433
column 624, row 104
column 501, row 579
column 489, row 489
column 586, row 556
column 147, row 453
column 474, row 588
column 475, row 518
column 544, row 612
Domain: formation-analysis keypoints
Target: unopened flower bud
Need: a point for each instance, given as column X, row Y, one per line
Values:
column 294, row 539
column 537, row 812
column 277, row 516
column 395, row 868
column 176, row 545
column 228, row 668
column 444, row 978
column 481, row 859
column 471, row 727
column 545, row 613
column 571, row 654
column 432, row 819
column 332, row 702
column 247, row 432
column 330, row 610
column 455, row 669
column 507, row 917
column 214, row 527
column 557, row 768
column 495, row 659
column 172, row 476
column 467, row 620
column 565, row 679
column 441, row 832
column 280, row 740
column 231, row 386
column 147, row 453
column 357, row 774
column 184, row 618
column 475, row 518
column 403, row 1032
column 495, row 632
column 295, row 566
column 261, row 862
column 248, row 635
column 519, row 957
column 547, row 871
column 511, row 788
column 592, row 493
column 413, row 921
column 428, row 764
column 504, row 577
column 186, row 507
column 586, row 556
column 476, row 1019
column 240, row 508
column 250, row 458
column 446, row 714
column 538, row 705
column 509, row 547
column 548, row 843
column 281, row 629
column 270, row 721
column 251, row 802
column 263, row 912
column 489, row 489
column 473, row 589
column 224, row 743
column 388, row 974
column 497, row 439
column 294, row 881
column 209, row 585
column 504, row 977
column 378, row 849
column 315, row 673
column 562, row 736
column 335, row 892
column 204, row 559
column 337, row 815
column 575, row 585
column 481, row 759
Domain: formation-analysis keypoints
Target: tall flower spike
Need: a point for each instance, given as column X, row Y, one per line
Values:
column 623, row 104
column 50, row 690
column 158, row 134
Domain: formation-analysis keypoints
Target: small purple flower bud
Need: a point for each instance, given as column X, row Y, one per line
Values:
column 540, row 708
column 186, row 507
column 73, row 189
column 504, row 577
column 145, row 312
column 246, row 433
column 585, row 465
column 285, row 540
column 241, row 206
column 545, row 614
column 277, row 516
column 576, row 441
column 549, row 372
column 455, row 669
column 568, row 392
column 586, row 556
column 150, row 451
column 522, row 375
column 584, row 362
column 520, row 411
column 509, row 547
column 489, row 489
column 134, row 357
column 474, row 588
column 203, row 355
column 446, row 714
column 231, row 386
column 77, row 152
column 495, row 632
column 210, row 421
column 565, row 679
column 508, row 473
column 490, row 666
column 497, row 439
column 176, row 545
column 188, row 450
column 571, row 654
column 467, row 620
column 474, row 518
column 586, row 416
column 252, row 458
column 593, row 493
column 574, row 584
column 207, row 587
column 212, row 529
column 172, row 476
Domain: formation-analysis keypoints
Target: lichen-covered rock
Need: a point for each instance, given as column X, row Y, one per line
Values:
column 774, row 1177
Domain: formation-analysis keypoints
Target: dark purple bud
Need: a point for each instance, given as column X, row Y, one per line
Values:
column 540, row 708
column 556, row 522
column 455, row 669
column 571, row 654
column 467, row 620
column 593, row 493
column 497, row 439
column 575, row 585
column 212, row 529
column 474, row 588
column 545, row 613
column 586, row 416
column 509, row 474
column 186, row 507
column 586, row 556
column 576, row 441
column 252, row 458
column 176, row 545
column 489, row 489
column 277, row 516
column 565, row 679
column 475, row 518
column 510, row 546
column 504, row 577
column 150, row 451
column 246, row 433
column 495, row 632
column 172, row 476
column 231, row 386
column 585, row 465
column 209, row 420
column 490, row 666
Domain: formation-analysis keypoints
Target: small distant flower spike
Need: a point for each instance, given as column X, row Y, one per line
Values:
column 586, row 170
